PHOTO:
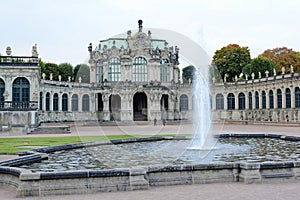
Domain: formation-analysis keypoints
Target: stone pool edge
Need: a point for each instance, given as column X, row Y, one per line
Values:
column 28, row 183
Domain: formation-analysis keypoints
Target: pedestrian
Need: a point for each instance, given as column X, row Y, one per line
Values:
column 155, row 121
column 164, row 122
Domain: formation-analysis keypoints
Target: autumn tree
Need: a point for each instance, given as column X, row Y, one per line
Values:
column 283, row 57
column 260, row 64
column 230, row 60
column 65, row 70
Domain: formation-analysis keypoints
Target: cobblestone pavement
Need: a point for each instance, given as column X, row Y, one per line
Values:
column 228, row 191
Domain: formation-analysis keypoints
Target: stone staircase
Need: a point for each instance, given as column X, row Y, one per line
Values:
column 52, row 128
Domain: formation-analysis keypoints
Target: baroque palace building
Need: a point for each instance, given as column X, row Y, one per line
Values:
column 133, row 77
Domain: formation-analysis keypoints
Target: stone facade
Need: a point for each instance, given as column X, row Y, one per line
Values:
column 270, row 99
column 132, row 78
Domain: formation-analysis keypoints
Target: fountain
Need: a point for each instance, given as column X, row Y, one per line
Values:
column 202, row 139
column 240, row 159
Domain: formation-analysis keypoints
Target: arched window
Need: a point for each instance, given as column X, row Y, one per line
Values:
column 64, row 102
column 139, row 70
column 55, row 102
column 250, row 100
column 164, row 70
column 47, row 101
column 86, row 103
column 271, row 99
column 21, row 93
column 279, row 98
column 256, row 100
column 263, row 100
column 75, row 102
column 114, row 69
column 288, row 98
column 230, row 101
column 297, row 97
column 2, row 89
column 241, row 101
column 41, row 100
column 220, row 102
column 184, row 102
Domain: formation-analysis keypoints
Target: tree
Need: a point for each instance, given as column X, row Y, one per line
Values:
column 283, row 57
column 260, row 64
column 230, row 60
column 42, row 66
column 65, row 70
column 83, row 71
column 188, row 73
column 51, row 68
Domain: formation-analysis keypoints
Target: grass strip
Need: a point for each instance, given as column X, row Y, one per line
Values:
column 14, row 145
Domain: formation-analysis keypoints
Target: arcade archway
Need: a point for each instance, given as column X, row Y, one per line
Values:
column 140, row 107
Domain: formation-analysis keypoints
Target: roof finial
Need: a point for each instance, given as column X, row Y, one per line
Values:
column 140, row 25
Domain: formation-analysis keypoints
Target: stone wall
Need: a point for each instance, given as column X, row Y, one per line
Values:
column 27, row 183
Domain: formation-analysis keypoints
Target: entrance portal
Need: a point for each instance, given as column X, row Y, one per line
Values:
column 140, row 108
column 164, row 106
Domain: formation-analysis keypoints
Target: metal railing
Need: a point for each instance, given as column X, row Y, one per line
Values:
column 18, row 106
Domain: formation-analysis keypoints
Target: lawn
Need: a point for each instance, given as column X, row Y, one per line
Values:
column 14, row 145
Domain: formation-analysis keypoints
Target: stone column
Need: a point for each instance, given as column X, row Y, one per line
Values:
column 225, row 102
column 60, row 101
column 283, row 99
column 92, row 71
column 70, row 102
column 51, row 101
column 253, row 100
column 247, row 100
column 292, row 98
column 92, row 103
column 236, row 99
column 175, row 70
column 106, row 113
column 214, row 102
column 79, row 102
column 267, row 100
column 275, row 99
column 260, row 100
column 44, row 101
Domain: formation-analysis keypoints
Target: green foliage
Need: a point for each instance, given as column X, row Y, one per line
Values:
column 230, row 60
column 51, row 68
column 65, row 70
column 188, row 73
column 42, row 66
column 83, row 71
column 260, row 64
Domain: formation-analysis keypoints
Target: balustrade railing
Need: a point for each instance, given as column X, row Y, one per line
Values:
column 18, row 106
column 18, row 61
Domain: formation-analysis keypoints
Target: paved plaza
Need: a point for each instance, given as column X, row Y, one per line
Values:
column 214, row 191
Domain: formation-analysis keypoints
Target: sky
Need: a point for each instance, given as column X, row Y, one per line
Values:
column 63, row 29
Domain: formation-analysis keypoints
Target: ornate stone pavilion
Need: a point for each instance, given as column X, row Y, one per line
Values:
column 132, row 78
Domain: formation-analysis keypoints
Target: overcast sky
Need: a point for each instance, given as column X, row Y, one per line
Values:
column 62, row 29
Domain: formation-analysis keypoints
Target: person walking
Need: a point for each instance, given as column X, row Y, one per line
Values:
column 155, row 121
